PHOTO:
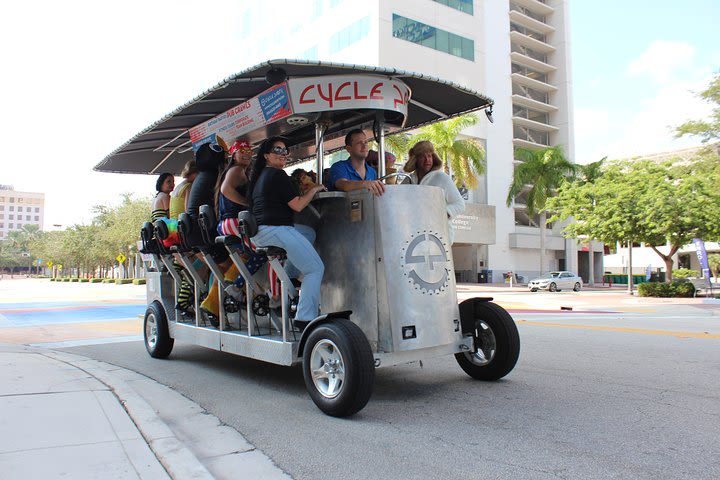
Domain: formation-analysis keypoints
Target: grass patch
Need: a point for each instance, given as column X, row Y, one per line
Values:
column 108, row 280
column 123, row 281
column 96, row 280
column 84, row 280
column 138, row 281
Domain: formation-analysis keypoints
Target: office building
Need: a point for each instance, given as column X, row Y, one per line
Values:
column 517, row 52
column 19, row 208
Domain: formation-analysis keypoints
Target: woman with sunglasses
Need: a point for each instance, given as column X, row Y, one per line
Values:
column 274, row 199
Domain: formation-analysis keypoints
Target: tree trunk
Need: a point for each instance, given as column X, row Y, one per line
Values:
column 543, row 222
column 668, row 260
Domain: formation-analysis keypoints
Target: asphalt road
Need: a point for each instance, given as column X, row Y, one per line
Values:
column 594, row 395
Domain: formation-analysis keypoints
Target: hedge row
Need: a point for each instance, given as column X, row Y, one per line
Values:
column 117, row 281
column 678, row 288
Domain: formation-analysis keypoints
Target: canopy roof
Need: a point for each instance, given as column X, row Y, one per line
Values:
column 165, row 145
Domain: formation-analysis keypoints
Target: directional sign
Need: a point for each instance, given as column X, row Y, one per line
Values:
column 120, row 258
column 49, row 264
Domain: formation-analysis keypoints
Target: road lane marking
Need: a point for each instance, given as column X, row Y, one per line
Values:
column 644, row 331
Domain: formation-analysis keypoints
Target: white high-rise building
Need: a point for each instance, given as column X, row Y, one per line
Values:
column 20, row 208
column 516, row 52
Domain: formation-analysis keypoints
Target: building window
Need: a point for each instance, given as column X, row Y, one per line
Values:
column 12, row 208
column 2, row 208
column 349, row 35
column 529, row 72
column 309, row 54
column 37, row 218
column 435, row 38
column 12, row 199
column 531, row 114
column 530, row 93
column 527, row 12
column 530, row 135
column 465, row 6
column 2, row 215
column 11, row 217
column 526, row 31
column 11, row 225
column 37, row 210
column 19, row 209
column 27, row 218
column 20, row 200
column 529, row 52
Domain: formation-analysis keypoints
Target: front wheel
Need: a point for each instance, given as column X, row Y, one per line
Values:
column 496, row 340
column 533, row 289
column 338, row 367
column 552, row 287
column 157, row 335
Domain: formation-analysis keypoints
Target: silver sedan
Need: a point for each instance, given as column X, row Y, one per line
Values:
column 556, row 281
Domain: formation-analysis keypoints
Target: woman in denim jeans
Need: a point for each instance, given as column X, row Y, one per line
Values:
column 274, row 199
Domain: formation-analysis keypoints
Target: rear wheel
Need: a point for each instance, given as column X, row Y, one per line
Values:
column 496, row 340
column 157, row 335
column 576, row 288
column 338, row 367
column 552, row 287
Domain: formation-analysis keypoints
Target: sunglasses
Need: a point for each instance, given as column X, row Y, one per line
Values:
column 216, row 148
column 277, row 150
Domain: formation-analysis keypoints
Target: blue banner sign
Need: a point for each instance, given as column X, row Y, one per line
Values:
column 702, row 258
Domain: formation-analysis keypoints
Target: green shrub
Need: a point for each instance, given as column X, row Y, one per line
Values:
column 74, row 279
column 84, row 280
column 680, row 288
column 685, row 273
column 52, row 279
column 108, row 280
column 123, row 281
column 96, row 280
column 138, row 281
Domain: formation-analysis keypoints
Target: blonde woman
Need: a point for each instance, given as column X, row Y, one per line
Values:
column 425, row 168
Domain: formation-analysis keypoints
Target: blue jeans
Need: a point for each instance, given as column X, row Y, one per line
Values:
column 309, row 234
column 304, row 257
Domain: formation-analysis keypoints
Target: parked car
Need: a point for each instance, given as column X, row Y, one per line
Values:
column 556, row 281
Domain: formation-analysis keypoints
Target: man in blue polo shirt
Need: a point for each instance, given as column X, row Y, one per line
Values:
column 355, row 173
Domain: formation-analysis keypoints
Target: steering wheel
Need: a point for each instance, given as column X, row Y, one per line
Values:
column 402, row 177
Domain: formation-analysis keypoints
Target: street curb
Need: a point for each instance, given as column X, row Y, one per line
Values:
column 178, row 460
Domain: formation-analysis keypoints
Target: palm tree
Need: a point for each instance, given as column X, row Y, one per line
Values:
column 399, row 145
column 465, row 158
column 543, row 170
column 590, row 172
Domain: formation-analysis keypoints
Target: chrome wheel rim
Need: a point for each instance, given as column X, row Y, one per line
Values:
column 151, row 331
column 327, row 368
column 485, row 343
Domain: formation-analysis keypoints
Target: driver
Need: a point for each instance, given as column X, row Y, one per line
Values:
column 355, row 173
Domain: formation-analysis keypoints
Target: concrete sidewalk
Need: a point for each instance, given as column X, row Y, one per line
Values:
column 66, row 416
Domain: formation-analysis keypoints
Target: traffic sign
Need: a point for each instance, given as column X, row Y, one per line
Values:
column 49, row 264
column 120, row 258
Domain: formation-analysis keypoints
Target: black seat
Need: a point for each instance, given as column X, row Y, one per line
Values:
column 160, row 232
column 247, row 224
column 208, row 224
column 147, row 236
column 189, row 232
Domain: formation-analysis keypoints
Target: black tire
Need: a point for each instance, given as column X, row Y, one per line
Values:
column 496, row 337
column 157, row 336
column 552, row 288
column 533, row 289
column 343, row 341
column 577, row 287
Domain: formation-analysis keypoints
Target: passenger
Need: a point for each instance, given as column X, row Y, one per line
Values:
column 355, row 173
column 210, row 159
column 425, row 168
column 273, row 201
column 305, row 222
column 161, row 203
column 390, row 160
column 179, row 196
column 178, row 203
column 231, row 199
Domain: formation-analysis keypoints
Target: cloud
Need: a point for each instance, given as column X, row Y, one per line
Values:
column 662, row 59
column 648, row 128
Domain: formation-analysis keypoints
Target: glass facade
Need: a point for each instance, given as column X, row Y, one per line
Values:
column 349, row 35
column 526, row 31
column 529, row 72
column 530, row 114
column 435, row 38
column 465, row 6
column 530, row 93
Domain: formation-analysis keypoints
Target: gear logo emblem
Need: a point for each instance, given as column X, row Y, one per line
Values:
column 426, row 262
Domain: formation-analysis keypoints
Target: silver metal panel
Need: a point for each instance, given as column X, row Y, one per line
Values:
column 161, row 287
column 259, row 348
column 417, row 263
column 205, row 337
column 346, row 243
column 407, row 356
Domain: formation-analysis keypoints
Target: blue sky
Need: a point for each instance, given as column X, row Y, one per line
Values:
column 82, row 77
column 634, row 63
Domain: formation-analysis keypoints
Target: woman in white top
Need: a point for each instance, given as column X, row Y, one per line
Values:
column 425, row 168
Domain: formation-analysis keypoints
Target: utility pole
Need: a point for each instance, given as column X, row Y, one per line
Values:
column 630, row 277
